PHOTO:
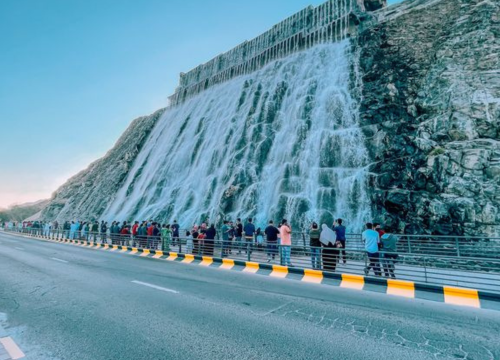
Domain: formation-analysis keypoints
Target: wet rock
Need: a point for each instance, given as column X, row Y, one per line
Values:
column 438, row 88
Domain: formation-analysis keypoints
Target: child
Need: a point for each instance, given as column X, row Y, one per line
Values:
column 259, row 237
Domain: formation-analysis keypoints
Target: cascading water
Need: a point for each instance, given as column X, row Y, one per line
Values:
column 283, row 141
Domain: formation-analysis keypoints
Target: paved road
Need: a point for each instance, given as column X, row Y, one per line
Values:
column 66, row 302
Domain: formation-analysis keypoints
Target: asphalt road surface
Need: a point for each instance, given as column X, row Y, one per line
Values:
column 66, row 302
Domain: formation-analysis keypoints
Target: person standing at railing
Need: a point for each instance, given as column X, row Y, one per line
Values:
column 94, row 230
column 196, row 243
column 249, row 231
column 104, row 231
column 150, row 231
column 286, row 243
column 371, row 240
column 175, row 233
column 210, row 235
column 225, row 238
column 328, row 239
column 46, row 230
column 389, row 247
column 166, row 235
column 315, row 246
column 142, row 235
column 341, row 238
column 272, row 241
column 189, row 243
column 239, row 234
column 124, row 235
column 72, row 230
column 230, row 238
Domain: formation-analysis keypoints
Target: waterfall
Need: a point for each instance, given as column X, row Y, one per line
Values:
column 283, row 141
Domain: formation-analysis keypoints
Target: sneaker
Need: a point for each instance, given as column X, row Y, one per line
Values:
column 366, row 272
column 268, row 260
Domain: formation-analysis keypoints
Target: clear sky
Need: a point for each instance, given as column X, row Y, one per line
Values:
column 75, row 73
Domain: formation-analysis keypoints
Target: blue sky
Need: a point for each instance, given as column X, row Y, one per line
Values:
column 75, row 73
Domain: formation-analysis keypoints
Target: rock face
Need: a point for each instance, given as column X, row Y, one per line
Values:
column 86, row 195
column 431, row 115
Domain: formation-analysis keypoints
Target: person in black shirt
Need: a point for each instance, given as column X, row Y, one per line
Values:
column 239, row 234
column 209, row 240
column 272, row 241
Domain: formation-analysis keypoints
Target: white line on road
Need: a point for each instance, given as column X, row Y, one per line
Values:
column 155, row 287
column 63, row 261
column 13, row 350
column 19, row 248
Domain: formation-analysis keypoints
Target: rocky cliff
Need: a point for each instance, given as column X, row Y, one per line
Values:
column 429, row 109
column 431, row 115
column 86, row 195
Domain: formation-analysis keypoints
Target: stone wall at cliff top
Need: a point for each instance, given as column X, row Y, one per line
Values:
column 431, row 115
column 86, row 195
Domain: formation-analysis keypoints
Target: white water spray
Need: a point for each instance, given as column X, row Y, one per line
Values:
column 283, row 141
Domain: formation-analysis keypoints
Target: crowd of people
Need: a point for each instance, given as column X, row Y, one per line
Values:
column 327, row 246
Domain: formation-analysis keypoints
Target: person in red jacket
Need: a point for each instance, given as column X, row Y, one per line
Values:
column 134, row 231
column 125, row 235
column 151, row 239
column 378, row 228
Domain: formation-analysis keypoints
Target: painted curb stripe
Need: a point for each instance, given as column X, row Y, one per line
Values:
column 227, row 264
column 461, row 297
column 134, row 251
column 401, row 288
column 279, row 271
column 173, row 256
column 251, row 267
column 188, row 259
column 145, row 252
column 158, row 254
column 115, row 247
column 124, row 248
column 106, row 247
column 313, row 276
column 356, row 282
column 207, row 261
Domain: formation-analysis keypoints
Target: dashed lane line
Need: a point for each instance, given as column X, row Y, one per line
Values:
column 59, row 260
column 155, row 287
column 12, row 348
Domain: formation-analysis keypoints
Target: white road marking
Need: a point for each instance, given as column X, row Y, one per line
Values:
column 19, row 248
column 155, row 287
column 63, row 261
column 12, row 348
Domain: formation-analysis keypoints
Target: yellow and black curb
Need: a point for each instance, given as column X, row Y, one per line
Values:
column 409, row 289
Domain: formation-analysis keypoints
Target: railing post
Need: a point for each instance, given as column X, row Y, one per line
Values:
column 425, row 269
column 409, row 244
column 458, row 246
column 249, row 256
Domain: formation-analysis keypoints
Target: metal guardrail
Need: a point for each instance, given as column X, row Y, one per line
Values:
column 460, row 246
column 472, row 272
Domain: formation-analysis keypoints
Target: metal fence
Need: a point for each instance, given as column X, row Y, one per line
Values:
column 472, row 272
column 460, row 246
